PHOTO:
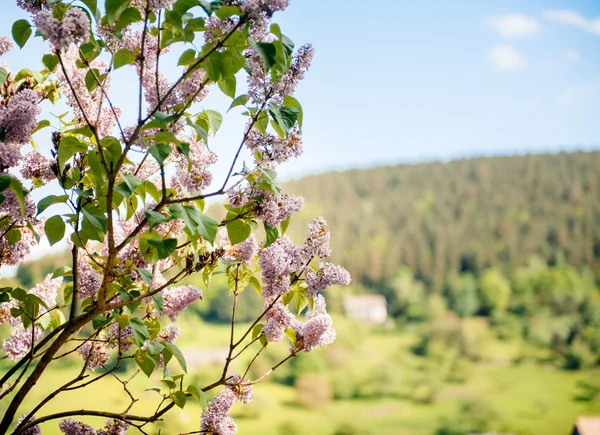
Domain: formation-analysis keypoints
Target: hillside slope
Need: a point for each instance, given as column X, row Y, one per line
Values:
column 441, row 219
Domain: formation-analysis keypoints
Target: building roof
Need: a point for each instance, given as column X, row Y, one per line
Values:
column 363, row 301
column 588, row 425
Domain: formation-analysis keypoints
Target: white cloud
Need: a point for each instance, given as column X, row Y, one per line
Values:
column 575, row 19
column 573, row 56
column 507, row 58
column 514, row 26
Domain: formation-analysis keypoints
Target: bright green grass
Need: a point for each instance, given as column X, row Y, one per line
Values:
column 532, row 399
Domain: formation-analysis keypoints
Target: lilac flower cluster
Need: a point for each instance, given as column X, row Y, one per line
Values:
column 318, row 330
column 89, row 280
column 160, row 4
column 168, row 334
column 244, row 251
column 90, row 102
column 19, row 343
column 33, row 430
column 274, row 149
column 68, row 426
column 327, row 275
column 10, row 208
column 117, row 337
column 278, row 261
column 277, row 320
column 19, row 117
column 94, row 353
column 216, row 419
column 317, row 240
column 300, row 64
column 261, row 85
column 47, row 290
column 9, row 156
column 36, row 165
column 74, row 28
column 241, row 387
column 5, row 45
column 195, row 176
column 176, row 299
column 34, row 6
column 274, row 211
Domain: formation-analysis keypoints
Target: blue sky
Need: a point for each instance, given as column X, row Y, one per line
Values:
column 407, row 81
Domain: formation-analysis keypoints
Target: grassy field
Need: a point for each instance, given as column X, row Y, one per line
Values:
column 529, row 398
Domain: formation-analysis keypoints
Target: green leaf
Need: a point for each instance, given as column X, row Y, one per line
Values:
column 215, row 119
column 67, row 148
column 100, row 321
column 13, row 236
column 160, row 152
column 238, row 230
column 187, row 58
column 93, row 6
column 253, row 281
column 257, row 330
column 195, row 221
column 199, row 395
column 179, row 398
column 42, row 124
column 123, row 57
column 140, row 332
column 62, row 271
column 145, row 362
column 21, row 31
column 284, row 116
column 163, row 247
column 55, row 229
column 177, row 354
column 98, row 221
column 3, row 76
column 227, row 86
column 272, row 234
column 50, row 200
column 114, row 8
column 155, row 218
column 223, row 64
column 129, row 16
column 158, row 302
column 17, row 188
column 285, row 224
column 146, row 276
column 239, row 101
column 266, row 50
column 292, row 102
column 291, row 334
column 50, row 61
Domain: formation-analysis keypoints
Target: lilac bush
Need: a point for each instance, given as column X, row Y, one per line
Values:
column 130, row 200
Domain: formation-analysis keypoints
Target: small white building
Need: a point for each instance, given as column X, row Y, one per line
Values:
column 366, row 308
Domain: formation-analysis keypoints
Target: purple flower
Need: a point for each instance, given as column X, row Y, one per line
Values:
column 274, row 211
column 10, row 156
column 68, row 426
column 74, row 28
column 19, row 117
column 277, row 319
column 116, row 337
column 89, row 280
column 47, row 290
column 19, row 343
column 317, row 240
column 317, row 331
column 176, row 299
column 36, row 165
column 95, row 354
column 278, row 261
column 241, row 388
column 216, row 419
column 5, row 45
column 33, row 430
column 327, row 275
column 168, row 334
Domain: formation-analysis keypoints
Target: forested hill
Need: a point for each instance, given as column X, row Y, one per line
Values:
column 442, row 219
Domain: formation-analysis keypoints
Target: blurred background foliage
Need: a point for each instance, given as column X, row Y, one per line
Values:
column 490, row 271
